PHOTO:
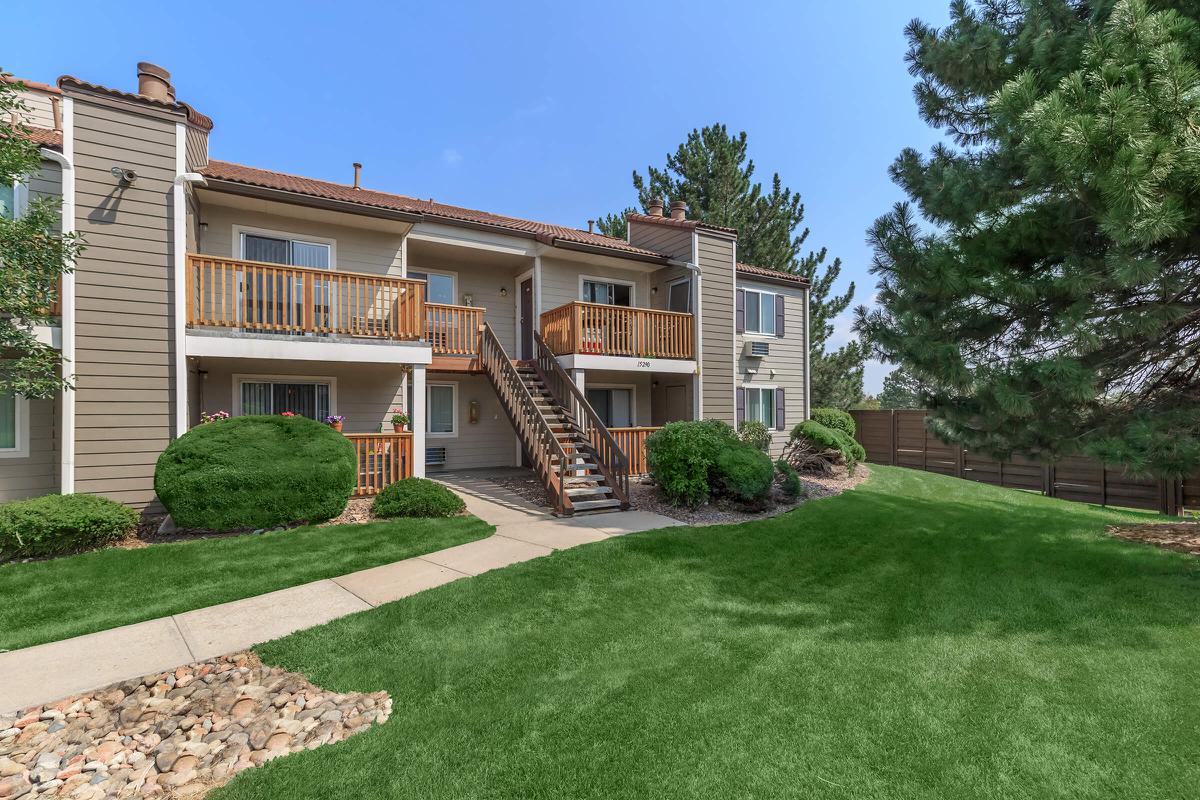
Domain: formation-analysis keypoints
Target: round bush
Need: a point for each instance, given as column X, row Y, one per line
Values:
column 745, row 473
column 789, row 479
column 255, row 472
column 836, row 419
column 417, row 497
column 57, row 524
column 682, row 458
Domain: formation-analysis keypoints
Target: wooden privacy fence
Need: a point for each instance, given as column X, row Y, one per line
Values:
column 901, row 438
column 383, row 459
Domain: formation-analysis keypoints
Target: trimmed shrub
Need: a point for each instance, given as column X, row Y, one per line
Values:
column 755, row 434
column 745, row 473
column 836, row 419
column 789, row 480
column 256, row 472
column 813, row 447
column 682, row 457
column 417, row 497
column 57, row 524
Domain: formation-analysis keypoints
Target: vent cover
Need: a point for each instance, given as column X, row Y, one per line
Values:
column 435, row 456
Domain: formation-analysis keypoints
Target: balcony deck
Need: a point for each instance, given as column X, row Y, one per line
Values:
column 580, row 328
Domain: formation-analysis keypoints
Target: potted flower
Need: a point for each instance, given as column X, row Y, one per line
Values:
column 335, row 421
column 399, row 420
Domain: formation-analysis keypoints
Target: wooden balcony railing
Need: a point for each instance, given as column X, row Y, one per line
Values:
column 632, row 442
column 251, row 295
column 595, row 329
column 453, row 330
column 383, row 459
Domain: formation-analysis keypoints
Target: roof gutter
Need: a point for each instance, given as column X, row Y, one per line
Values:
column 609, row 251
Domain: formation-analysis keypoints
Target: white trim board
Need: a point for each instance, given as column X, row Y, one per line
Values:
column 22, row 430
column 453, row 434
column 628, row 364
column 306, row 349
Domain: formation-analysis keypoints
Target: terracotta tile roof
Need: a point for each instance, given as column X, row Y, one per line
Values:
column 33, row 85
column 689, row 224
column 194, row 117
column 44, row 137
column 773, row 274
column 545, row 232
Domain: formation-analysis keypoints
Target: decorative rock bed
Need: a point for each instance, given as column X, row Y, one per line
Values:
column 174, row 734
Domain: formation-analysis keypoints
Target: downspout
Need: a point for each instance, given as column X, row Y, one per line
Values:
column 66, row 299
column 179, row 236
column 807, row 358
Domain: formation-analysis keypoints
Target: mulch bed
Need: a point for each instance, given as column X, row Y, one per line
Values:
column 1181, row 536
column 527, row 487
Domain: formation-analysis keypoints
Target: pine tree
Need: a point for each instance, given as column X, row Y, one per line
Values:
column 712, row 172
column 32, row 259
column 901, row 390
column 1054, row 304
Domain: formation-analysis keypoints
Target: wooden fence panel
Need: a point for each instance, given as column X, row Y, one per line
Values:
column 901, row 438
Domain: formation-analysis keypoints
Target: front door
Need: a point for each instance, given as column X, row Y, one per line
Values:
column 676, row 403
column 527, row 318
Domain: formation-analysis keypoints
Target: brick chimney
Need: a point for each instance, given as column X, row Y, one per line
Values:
column 154, row 83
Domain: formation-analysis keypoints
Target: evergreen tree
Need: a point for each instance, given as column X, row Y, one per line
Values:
column 713, row 174
column 1055, row 305
column 32, row 259
column 901, row 390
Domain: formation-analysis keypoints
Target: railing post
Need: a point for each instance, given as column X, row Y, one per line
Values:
column 310, row 303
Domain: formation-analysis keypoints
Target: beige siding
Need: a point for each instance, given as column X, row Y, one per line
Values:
column 483, row 283
column 788, row 359
column 39, row 109
column 365, row 393
column 716, row 261
column 561, row 281
column 36, row 473
column 196, row 148
column 124, row 282
column 355, row 249
column 491, row 442
column 660, row 280
column 662, row 238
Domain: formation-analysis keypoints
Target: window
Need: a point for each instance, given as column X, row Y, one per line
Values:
column 613, row 406
column 305, row 397
column 439, row 287
column 760, row 406
column 760, row 312
column 292, row 252
column 609, row 293
column 679, row 296
column 8, row 201
column 441, row 410
column 14, row 426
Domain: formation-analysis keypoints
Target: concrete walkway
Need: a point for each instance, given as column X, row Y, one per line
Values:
column 47, row 672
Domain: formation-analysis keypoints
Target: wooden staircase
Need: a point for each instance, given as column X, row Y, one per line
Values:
column 578, row 462
column 584, row 484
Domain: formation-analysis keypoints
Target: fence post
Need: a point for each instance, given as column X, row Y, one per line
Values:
column 892, row 429
column 960, row 460
column 1169, row 497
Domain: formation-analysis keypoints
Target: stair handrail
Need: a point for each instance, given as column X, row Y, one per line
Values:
column 531, row 424
column 609, row 456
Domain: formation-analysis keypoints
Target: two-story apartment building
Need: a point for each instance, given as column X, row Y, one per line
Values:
column 211, row 286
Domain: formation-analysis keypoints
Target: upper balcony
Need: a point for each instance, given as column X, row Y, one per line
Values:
column 580, row 328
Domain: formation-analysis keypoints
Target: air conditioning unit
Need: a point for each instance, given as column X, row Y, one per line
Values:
column 756, row 349
column 435, row 456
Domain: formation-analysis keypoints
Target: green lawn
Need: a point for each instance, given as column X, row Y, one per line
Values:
column 48, row 600
column 920, row 637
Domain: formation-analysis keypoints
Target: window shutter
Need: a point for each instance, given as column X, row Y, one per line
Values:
column 741, row 405
column 740, row 316
column 779, row 315
column 780, row 424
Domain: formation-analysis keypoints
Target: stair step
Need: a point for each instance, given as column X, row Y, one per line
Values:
column 588, row 491
column 577, row 479
column 596, row 505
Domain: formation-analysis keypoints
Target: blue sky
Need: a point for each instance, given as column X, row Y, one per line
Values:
column 538, row 110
